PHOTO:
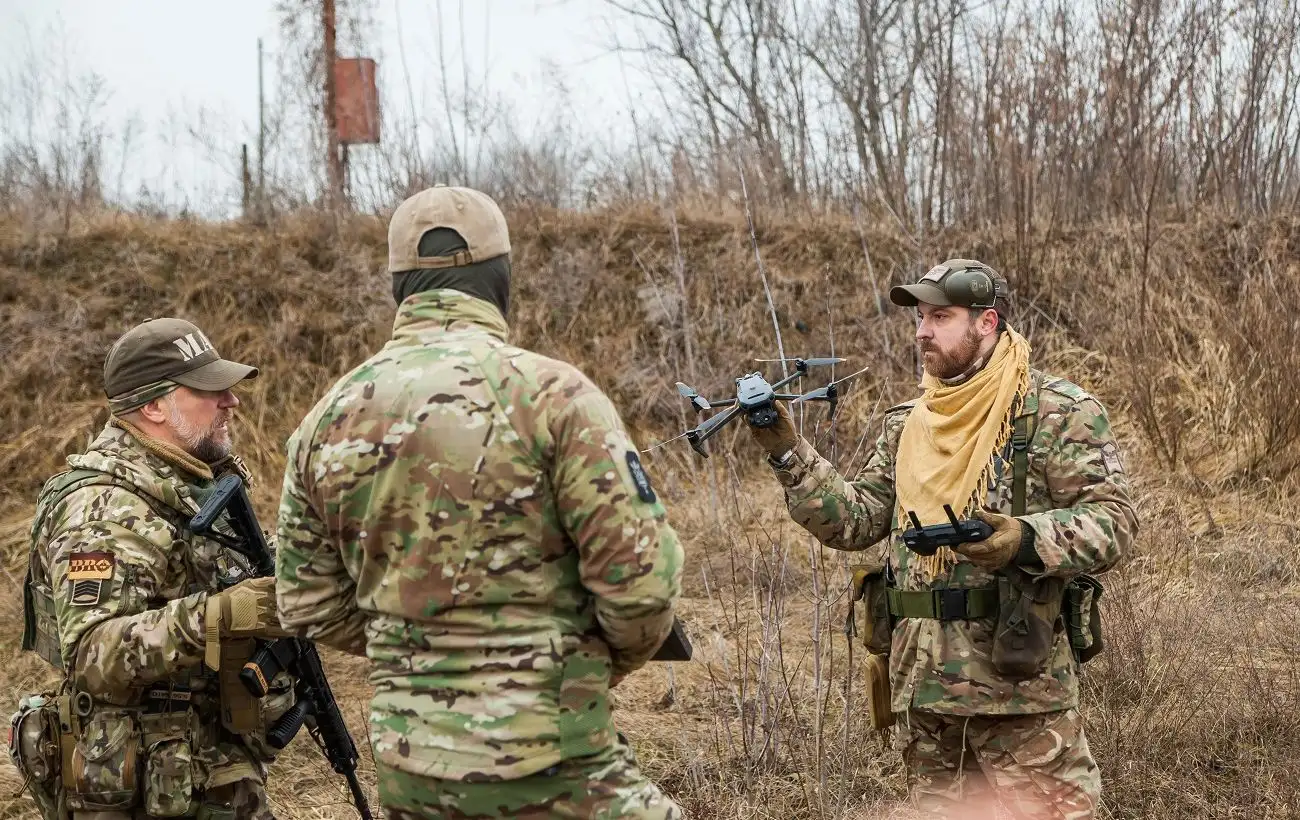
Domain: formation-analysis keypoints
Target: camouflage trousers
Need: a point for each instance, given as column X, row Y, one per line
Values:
column 1028, row 767
column 240, row 800
column 605, row 785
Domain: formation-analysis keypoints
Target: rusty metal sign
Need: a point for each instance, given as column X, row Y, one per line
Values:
column 356, row 101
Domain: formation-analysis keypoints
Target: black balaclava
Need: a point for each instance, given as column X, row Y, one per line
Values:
column 488, row 280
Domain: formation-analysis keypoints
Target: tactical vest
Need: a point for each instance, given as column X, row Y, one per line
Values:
column 884, row 604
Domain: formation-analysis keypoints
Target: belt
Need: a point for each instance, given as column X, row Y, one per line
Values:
column 167, row 699
column 943, row 604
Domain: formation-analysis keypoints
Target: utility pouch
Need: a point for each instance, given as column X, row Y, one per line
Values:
column 168, row 765
column 1083, row 617
column 879, row 701
column 105, row 762
column 240, row 711
column 874, row 625
column 1028, row 612
column 34, row 749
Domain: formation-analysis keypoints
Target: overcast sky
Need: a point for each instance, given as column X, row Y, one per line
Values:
column 165, row 60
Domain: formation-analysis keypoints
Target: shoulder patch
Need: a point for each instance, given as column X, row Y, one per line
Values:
column 87, row 593
column 640, row 478
column 90, row 566
column 1110, row 457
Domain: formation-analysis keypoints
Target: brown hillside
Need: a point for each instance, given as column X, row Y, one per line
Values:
column 1185, row 331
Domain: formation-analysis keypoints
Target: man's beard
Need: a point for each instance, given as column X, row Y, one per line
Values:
column 950, row 365
column 209, row 444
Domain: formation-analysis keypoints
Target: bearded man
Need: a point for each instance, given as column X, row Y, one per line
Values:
column 983, row 658
column 148, row 622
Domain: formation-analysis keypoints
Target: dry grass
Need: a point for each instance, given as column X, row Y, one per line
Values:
column 1194, row 710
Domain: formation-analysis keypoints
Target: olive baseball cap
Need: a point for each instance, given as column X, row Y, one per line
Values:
column 168, row 349
column 468, row 212
column 955, row 282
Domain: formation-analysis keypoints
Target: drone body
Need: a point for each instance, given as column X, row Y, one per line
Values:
column 756, row 398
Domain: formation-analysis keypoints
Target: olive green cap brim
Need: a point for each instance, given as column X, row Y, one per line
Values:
column 912, row 295
column 217, row 376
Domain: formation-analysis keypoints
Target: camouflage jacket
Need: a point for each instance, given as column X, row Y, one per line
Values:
column 128, row 586
column 1077, row 503
column 474, row 517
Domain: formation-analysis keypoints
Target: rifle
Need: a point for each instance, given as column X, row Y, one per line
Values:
column 315, row 705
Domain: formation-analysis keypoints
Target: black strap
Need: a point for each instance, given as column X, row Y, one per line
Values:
column 1021, row 436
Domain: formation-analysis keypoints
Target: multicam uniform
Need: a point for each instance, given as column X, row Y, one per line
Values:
column 941, row 671
column 116, row 592
column 474, row 518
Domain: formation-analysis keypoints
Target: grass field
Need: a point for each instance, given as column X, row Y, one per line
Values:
column 1186, row 333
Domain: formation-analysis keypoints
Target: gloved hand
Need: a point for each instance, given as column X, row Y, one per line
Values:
column 998, row 550
column 245, row 610
column 780, row 438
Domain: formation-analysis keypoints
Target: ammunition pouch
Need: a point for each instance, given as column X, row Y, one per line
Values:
column 870, row 586
column 78, row 755
column 103, row 771
column 1082, row 615
column 1029, row 611
column 240, row 711
column 169, row 757
column 34, row 750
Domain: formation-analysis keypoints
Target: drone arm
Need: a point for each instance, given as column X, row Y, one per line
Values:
column 717, row 422
column 723, row 403
column 783, row 382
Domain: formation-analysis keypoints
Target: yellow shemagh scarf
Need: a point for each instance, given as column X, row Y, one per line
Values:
column 945, row 454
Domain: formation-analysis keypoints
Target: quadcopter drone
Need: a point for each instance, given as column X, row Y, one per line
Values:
column 756, row 398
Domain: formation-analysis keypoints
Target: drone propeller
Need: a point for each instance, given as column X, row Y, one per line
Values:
column 697, row 401
column 820, row 362
column 829, row 393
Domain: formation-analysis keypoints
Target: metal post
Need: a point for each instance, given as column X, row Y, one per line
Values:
column 261, row 132
column 244, row 176
column 334, row 168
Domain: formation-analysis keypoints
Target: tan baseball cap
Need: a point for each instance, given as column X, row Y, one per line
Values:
column 172, row 349
column 952, row 283
column 470, row 213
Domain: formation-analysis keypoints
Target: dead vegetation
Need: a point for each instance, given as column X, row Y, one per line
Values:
column 1185, row 332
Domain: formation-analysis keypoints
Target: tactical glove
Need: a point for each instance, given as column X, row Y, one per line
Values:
column 246, row 610
column 996, row 551
column 778, row 439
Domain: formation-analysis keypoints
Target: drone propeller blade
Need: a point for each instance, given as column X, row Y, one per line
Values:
column 669, row 441
column 812, row 395
column 818, row 362
column 697, row 401
column 849, row 377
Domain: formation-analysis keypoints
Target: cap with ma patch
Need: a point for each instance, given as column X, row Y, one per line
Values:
column 468, row 212
column 172, row 349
